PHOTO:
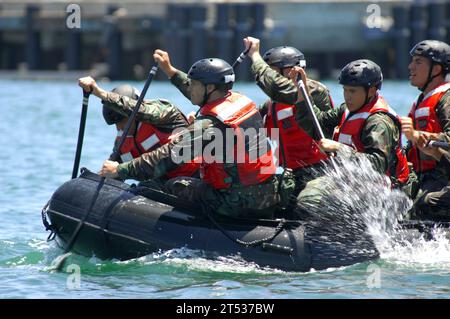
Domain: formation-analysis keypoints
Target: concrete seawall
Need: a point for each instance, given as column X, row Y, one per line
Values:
column 116, row 38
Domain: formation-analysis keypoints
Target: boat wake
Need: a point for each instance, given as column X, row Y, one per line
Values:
column 200, row 261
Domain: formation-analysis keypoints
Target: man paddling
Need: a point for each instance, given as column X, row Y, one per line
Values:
column 271, row 71
column 429, row 118
column 241, row 186
column 154, row 124
column 365, row 126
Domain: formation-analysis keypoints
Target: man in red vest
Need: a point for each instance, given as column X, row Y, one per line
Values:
column 429, row 118
column 296, row 149
column 154, row 124
column 237, row 179
column 365, row 125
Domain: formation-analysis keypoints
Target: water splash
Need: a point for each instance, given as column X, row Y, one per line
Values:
column 355, row 197
column 410, row 248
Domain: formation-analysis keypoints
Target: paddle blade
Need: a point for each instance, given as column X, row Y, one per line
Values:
column 59, row 262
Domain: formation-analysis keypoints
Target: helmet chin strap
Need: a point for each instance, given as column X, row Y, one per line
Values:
column 430, row 78
column 206, row 95
column 367, row 99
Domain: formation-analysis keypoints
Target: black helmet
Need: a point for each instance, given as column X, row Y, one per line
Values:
column 361, row 73
column 437, row 51
column 211, row 71
column 113, row 117
column 284, row 57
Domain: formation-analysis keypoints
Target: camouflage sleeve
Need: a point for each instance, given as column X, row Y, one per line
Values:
column 320, row 95
column 322, row 99
column 276, row 86
column 157, row 163
column 443, row 114
column 158, row 112
column 379, row 136
column 327, row 119
column 181, row 82
column 264, row 108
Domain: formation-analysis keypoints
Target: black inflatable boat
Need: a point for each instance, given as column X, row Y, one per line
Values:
column 123, row 224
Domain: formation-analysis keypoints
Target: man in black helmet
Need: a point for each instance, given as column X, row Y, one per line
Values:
column 365, row 125
column 297, row 150
column 429, row 118
column 235, row 181
column 153, row 127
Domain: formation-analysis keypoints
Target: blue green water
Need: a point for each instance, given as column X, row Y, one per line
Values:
column 38, row 133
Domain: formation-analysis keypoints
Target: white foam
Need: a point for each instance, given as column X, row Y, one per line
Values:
column 357, row 193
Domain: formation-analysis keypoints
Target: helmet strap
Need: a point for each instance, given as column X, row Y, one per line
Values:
column 366, row 101
column 207, row 95
column 430, row 78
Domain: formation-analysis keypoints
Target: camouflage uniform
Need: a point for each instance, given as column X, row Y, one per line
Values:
column 283, row 90
column 436, row 204
column 162, row 114
column 379, row 135
column 238, row 200
column 432, row 200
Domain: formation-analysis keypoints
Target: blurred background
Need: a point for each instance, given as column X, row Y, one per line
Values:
column 51, row 39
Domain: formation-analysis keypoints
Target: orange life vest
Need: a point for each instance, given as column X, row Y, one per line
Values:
column 425, row 119
column 349, row 132
column 299, row 148
column 238, row 112
column 149, row 138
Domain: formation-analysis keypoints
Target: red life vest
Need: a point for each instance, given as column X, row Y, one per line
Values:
column 349, row 132
column 299, row 148
column 236, row 111
column 425, row 119
column 149, row 138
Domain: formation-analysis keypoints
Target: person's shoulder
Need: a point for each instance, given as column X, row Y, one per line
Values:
column 238, row 95
column 206, row 121
column 167, row 103
column 317, row 86
column 445, row 99
column 381, row 119
column 164, row 101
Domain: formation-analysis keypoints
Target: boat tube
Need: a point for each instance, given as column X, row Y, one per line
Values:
column 127, row 221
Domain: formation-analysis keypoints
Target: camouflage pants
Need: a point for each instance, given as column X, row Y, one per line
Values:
column 433, row 198
column 310, row 196
column 305, row 175
column 257, row 201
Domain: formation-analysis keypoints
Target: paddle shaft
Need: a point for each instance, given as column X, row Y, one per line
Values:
column 116, row 152
column 115, row 156
column 240, row 58
column 83, row 220
column 59, row 262
column 440, row 144
column 84, row 109
column 316, row 123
